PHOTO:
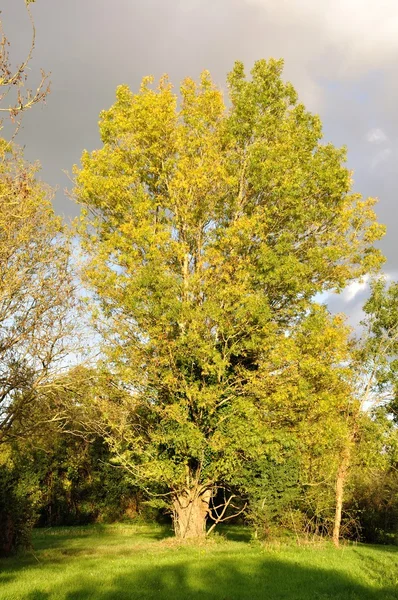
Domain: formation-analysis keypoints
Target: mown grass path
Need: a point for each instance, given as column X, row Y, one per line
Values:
column 143, row 562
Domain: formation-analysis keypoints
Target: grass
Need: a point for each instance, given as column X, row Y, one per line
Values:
column 143, row 562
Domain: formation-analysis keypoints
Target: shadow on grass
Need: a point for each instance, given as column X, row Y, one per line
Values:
column 92, row 570
column 270, row 579
column 235, row 533
column 63, row 537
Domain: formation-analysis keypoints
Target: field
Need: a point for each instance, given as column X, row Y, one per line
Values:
column 144, row 562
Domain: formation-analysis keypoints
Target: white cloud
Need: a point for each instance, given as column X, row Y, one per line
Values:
column 376, row 136
column 188, row 5
column 363, row 32
column 355, row 288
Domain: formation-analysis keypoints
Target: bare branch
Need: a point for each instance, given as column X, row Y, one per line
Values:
column 220, row 518
column 15, row 97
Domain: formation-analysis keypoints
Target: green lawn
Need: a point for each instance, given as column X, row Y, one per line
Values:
column 142, row 562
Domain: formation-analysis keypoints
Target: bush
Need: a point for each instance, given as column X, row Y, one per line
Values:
column 18, row 508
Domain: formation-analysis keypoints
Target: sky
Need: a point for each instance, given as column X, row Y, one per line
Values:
column 341, row 56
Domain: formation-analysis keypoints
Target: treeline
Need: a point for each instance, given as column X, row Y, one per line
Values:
column 168, row 354
column 65, row 480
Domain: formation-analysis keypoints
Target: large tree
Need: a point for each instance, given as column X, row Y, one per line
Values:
column 210, row 227
column 373, row 366
column 36, row 295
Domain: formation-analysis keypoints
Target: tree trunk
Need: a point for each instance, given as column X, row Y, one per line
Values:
column 190, row 510
column 340, row 484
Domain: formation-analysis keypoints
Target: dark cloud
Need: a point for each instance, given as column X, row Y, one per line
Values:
column 342, row 58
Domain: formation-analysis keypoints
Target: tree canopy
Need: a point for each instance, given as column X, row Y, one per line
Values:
column 210, row 228
column 37, row 291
